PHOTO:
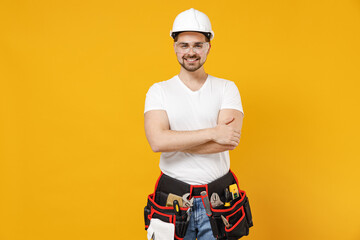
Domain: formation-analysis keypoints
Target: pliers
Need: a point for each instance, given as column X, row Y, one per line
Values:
column 187, row 203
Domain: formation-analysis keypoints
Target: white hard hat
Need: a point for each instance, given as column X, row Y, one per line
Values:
column 194, row 21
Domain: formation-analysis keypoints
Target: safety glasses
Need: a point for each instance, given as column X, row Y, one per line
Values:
column 197, row 47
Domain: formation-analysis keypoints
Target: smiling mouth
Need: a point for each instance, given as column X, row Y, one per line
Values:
column 191, row 59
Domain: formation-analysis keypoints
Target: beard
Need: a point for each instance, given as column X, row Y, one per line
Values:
column 191, row 67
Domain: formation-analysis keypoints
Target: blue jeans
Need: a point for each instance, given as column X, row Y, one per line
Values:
column 199, row 226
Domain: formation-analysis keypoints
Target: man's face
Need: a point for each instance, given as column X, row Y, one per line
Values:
column 185, row 59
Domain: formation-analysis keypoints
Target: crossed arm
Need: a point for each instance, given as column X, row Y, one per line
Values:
column 162, row 139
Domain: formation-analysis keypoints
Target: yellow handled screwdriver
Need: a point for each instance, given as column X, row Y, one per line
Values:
column 176, row 207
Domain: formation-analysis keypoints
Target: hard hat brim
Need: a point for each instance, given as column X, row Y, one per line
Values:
column 210, row 35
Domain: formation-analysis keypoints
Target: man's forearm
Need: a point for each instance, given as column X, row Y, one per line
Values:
column 208, row 148
column 171, row 140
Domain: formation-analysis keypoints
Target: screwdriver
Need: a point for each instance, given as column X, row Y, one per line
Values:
column 176, row 207
column 227, row 197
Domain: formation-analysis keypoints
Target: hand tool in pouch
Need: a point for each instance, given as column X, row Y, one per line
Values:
column 215, row 200
column 227, row 198
column 234, row 191
column 188, row 212
column 176, row 207
column 206, row 203
column 186, row 201
column 226, row 223
column 170, row 199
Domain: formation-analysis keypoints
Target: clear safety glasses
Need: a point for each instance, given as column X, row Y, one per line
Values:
column 197, row 47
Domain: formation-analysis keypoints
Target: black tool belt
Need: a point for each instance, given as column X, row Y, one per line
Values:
column 238, row 213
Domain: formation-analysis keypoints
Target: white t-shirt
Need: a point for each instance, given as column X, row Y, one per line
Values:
column 193, row 110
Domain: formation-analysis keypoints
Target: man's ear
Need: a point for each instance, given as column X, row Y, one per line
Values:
column 174, row 48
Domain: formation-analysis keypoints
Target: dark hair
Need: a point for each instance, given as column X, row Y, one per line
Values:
column 176, row 34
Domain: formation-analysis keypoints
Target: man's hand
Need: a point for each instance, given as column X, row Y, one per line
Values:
column 225, row 134
column 230, row 117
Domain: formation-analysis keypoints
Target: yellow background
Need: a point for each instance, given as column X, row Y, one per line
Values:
column 75, row 162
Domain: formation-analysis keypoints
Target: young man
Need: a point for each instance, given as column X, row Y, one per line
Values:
column 193, row 119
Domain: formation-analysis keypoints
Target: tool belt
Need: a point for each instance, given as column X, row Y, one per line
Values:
column 237, row 213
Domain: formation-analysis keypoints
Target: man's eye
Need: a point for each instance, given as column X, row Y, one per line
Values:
column 184, row 46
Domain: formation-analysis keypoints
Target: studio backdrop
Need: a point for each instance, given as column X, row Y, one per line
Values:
column 74, row 159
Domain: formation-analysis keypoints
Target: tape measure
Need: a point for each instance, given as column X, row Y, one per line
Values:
column 234, row 191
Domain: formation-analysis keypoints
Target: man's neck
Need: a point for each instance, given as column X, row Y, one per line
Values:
column 198, row 76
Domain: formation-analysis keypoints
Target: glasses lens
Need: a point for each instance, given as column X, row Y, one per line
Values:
column 184, row 47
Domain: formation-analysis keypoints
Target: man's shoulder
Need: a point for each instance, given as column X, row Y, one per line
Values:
column 166, row 83
column 219, row 80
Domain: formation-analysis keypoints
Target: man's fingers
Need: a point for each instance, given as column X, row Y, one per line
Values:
column 232, row 147
column 234, row 141
column 236, row 134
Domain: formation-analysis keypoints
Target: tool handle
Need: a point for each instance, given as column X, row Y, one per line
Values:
column 176, row 207
column 227, row 197
column 226, row 223
column 206, row 203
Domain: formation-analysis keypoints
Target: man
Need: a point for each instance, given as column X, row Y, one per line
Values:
column 193, row 119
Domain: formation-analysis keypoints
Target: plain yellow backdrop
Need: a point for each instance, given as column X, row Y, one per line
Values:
column 75, row 162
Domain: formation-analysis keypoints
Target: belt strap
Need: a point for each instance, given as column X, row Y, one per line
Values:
column 168, row 184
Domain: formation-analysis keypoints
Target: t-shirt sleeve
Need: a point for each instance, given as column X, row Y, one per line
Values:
column 154, row 99
column 232, row 98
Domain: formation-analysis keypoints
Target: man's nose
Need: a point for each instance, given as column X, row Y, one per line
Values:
column 191, row 50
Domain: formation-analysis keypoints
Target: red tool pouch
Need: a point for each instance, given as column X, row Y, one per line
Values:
column 166, row 214
column 156, row 208
column 238, row 214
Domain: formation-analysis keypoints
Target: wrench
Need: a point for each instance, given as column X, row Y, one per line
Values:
column 186, row 201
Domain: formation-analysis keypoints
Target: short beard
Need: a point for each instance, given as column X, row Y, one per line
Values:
column 193, row 68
